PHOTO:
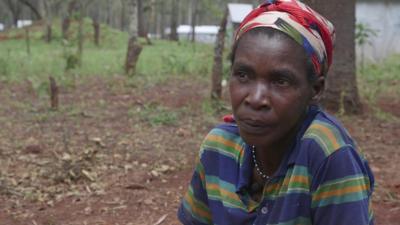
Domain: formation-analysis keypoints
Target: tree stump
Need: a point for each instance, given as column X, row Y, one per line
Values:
column 53, row 93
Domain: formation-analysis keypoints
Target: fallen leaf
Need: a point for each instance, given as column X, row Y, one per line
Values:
column 162, row 218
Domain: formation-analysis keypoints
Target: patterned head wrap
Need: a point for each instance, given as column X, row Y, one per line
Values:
column 308, row 28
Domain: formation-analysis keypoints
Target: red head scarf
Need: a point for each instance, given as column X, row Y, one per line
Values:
column 308, row 28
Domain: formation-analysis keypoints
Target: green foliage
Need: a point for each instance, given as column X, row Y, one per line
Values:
column 364, row 33
column 4, row 71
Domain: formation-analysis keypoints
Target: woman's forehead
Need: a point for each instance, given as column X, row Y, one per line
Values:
column 256, row 44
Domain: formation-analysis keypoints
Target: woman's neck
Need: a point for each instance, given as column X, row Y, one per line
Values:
column 270, row 157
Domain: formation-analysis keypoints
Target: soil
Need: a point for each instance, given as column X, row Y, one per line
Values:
column 110, row 156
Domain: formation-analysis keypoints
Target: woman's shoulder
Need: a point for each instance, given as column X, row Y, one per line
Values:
column 328, row 134
column 324, row 139
column 326, row 144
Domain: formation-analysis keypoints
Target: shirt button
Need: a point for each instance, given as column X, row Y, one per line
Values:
column 264, row 210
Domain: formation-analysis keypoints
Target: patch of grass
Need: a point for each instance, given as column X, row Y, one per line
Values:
column 213, row 108
column 157, row 61
column 380, row 78
column 155, row 115
column 385, row 116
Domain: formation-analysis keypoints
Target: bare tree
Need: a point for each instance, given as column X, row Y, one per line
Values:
column 162, row 19
column 143, row 24
column 193, row 18
column 66, row 21
column 33, row 7
column 14, row 7
column 341, row 92
column 141, row 21
column 123, row 15
column 96, row 24
column 134, row 48
column 216, row 78
column 46, row 15
column 82, row 6
column 174, row 20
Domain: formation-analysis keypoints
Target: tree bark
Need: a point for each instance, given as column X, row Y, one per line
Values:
column 15, row 9
column 341, row 92
column 123, row 15
column 96, row 24
column 193, row 19
column 96, row 29
column 134, row 48
column 141, row 21
column 46, row 15
column 80, row 34
column 53, row 93
column 174, row 20
column 65, row 27
column 162, row 20
column 28, row 41
column 216, row 78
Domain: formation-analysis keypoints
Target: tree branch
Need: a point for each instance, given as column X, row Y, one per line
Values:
column 32, row 7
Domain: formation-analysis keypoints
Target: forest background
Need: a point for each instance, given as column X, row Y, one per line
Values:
column 103, row 107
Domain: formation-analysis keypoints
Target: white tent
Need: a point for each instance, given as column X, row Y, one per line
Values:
column 23, row 23
column 204, row 34
column 237, row 12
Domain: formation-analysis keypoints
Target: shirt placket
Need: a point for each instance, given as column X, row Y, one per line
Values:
column 264, row 208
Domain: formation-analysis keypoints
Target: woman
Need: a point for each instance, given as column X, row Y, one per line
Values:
column 279, row 159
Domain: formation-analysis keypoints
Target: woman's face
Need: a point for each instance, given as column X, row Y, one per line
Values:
column 269, row 89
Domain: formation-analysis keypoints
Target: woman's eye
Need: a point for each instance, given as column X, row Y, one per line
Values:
column 282, row 82
column 242, row 76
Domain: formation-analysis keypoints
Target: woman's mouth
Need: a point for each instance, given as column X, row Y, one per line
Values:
column 254, row 126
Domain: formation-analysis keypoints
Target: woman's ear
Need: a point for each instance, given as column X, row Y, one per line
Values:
column 317, row 90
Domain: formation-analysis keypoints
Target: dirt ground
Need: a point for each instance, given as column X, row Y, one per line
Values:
column 112, row 154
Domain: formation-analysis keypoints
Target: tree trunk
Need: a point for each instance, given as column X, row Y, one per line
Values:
column 28, row 42
column 49, row 33
column 162, row 20
column 109, row 12
column 96, row 24
column 15, row 9
column 72, row 7
column 32, row 7
column 96, row 29
column 80, row 34
column 174, row 20
column 65, row 27
column 53, row 93
column 140, row 15
column 44, row 9
column 134, row 48
column 216, row 79
column 341, row 92
column 122, row 18
column 193, row 19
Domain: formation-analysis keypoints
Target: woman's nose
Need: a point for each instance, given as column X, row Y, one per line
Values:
column 258, row 97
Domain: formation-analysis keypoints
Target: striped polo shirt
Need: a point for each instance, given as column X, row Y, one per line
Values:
column 321, row 180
